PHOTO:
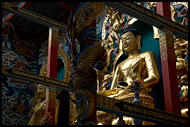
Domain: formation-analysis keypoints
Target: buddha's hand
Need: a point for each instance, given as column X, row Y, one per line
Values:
column 125, row 91
column 40, row 106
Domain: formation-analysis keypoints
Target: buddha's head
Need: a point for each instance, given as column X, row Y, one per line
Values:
column 41, row 91
column 130, row 39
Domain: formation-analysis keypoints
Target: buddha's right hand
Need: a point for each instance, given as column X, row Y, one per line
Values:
column 126, row 91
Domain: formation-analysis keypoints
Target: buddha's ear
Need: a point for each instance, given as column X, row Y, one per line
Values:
column 139, row 41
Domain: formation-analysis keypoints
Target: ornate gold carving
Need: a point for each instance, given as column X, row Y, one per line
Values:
column 64, row 55
column 181, row 51
column 86, row 15
column 173, row 11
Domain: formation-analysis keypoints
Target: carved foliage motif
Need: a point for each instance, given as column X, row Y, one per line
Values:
column 113, row 24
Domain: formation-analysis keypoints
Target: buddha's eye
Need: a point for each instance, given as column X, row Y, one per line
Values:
column 127, row 38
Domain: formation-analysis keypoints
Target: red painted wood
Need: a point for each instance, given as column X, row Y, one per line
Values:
column 171, row 90
column 66, row 5
column 169, row 73
column 52, row 72
column 52, row 62
column 163, row 8
column 10, row 15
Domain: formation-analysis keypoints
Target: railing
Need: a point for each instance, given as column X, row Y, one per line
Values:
column 103, row 103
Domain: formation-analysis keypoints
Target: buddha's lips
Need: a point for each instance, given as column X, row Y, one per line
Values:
column 125, row 46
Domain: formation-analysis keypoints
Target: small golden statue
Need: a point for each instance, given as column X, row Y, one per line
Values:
column 138, row 66
column 38, row 110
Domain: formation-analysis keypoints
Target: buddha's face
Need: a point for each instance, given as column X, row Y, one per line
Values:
column 129, row 42
column 41, row 90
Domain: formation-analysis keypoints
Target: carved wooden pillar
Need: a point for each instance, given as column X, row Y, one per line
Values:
column 168, row 59
column 52, row 72
column 169, row 73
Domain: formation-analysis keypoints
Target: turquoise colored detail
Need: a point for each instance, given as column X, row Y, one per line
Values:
column 60, row 70
column 115, row 45
column 148, row 42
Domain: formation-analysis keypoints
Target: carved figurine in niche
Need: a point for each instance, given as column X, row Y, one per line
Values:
column 138, row 66
column 39, row 101
column 38, row 116
column 38, row 106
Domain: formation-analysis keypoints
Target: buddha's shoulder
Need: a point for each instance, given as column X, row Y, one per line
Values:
column 147, row 53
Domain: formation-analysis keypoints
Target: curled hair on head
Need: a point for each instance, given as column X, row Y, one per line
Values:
column 130, row 29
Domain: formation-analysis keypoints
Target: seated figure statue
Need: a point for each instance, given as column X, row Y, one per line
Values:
column 138, row 66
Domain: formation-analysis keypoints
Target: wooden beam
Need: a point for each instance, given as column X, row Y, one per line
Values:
column 124, row 108
column 23, row 75
column 10, row 15
column 149, row 17
column 34, row 16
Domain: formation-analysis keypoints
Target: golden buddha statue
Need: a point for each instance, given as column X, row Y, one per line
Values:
column 138, row 66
